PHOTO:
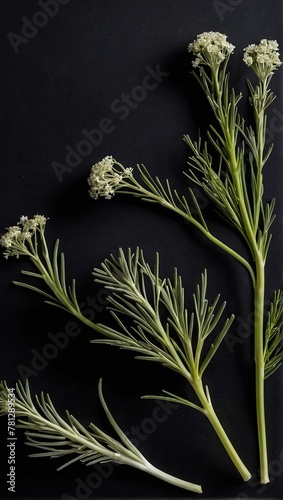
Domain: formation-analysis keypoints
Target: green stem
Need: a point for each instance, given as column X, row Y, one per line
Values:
column 259, row 282
column 259, row 367
column 162, row 201
column 213, row 419
column 212, row 238
column 151, row 469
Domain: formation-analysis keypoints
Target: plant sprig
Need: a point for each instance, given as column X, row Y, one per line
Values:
column 46, row 430
column 162, row 330
column 28, row 239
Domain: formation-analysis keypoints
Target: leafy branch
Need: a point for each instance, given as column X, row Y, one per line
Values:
column 46, row 430
column 28, row 239
column 162, row 330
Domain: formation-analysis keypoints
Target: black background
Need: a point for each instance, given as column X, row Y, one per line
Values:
column 62, row 80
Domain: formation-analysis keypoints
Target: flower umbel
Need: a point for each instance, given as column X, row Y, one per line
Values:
column 105, row 179
column 16, row 237
column 210, row 48
column 263, row 58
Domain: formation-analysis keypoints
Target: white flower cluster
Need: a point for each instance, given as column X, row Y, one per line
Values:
column 263, row 58
column 15, row 237
column 104, row 179
column 210, row 48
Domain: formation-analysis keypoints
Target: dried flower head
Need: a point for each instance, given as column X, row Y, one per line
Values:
column 210, row 48
column 105, row 179
column 263, row 58
column 16, row 237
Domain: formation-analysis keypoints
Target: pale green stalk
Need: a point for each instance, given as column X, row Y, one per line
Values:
column 251, row 232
